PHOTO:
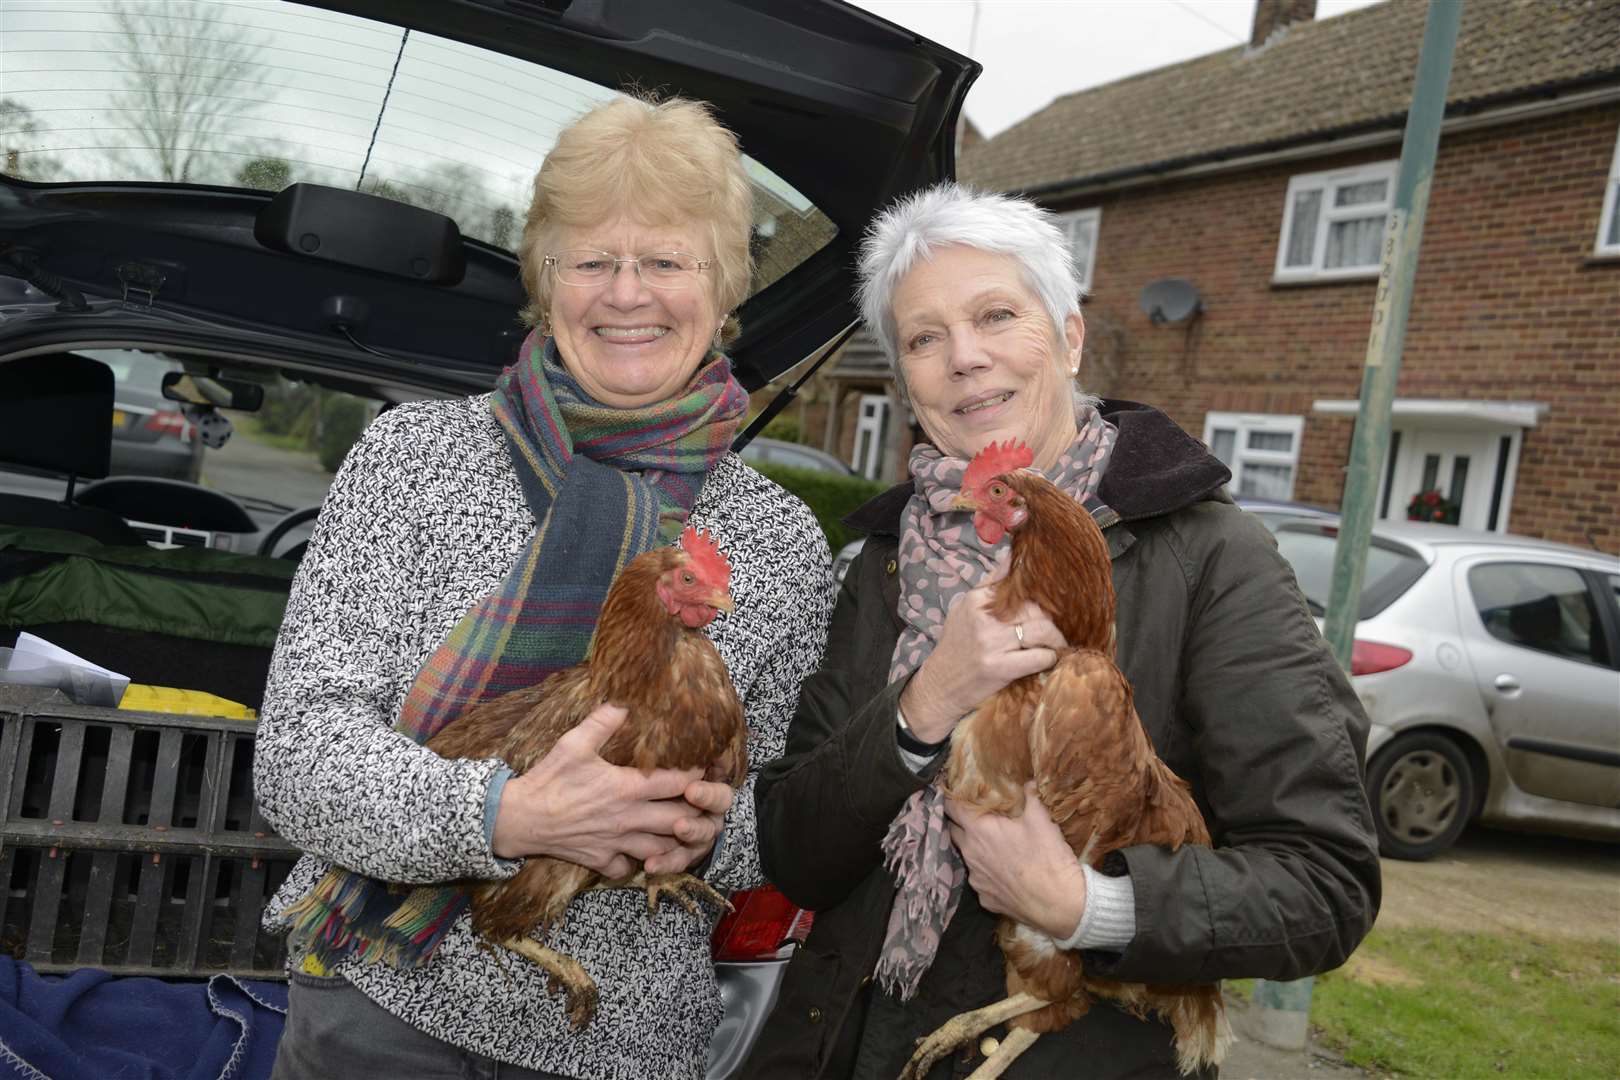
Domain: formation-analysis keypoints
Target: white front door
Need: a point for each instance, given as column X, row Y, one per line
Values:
column 1461, row 465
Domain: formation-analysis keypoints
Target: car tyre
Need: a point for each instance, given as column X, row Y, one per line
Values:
column 1422, row 790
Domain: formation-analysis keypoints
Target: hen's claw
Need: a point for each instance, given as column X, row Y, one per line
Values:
column 959, row 1030
column 565, row 972
column 682, row 887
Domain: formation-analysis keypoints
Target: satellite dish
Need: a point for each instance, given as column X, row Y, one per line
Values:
column 1170, row 300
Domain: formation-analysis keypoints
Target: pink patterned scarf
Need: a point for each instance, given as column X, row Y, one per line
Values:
column 941, row 558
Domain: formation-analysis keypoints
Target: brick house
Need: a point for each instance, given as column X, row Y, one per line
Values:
column 1261, row 176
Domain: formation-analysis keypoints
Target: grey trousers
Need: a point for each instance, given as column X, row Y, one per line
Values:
column 334, row 1032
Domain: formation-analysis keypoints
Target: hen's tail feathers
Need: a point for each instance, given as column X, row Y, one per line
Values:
column 351, row 915
column 1203, row 1034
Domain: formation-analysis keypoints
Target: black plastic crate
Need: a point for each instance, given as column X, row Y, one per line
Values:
column 131, row 842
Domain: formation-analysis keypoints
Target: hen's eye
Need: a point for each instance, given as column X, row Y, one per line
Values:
column 998, row 491
column 687, row 578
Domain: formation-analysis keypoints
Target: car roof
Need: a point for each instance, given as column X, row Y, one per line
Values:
column 1430, row 538
column 848, row 109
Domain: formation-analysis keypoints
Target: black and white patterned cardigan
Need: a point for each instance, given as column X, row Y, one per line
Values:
column 425, row 518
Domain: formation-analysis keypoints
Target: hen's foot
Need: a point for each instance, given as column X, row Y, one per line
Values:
column 960, row 1030
column 1017, row 1041
column 565, row 972
column 685, row 890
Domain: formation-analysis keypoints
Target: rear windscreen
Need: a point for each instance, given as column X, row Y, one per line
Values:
column 1391, row 569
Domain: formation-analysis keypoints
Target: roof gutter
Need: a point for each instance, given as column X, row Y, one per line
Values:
column 1384, row 132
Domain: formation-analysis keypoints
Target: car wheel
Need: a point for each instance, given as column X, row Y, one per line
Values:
column 1422, row 791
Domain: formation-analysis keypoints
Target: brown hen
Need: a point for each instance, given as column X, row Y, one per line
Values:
column 1074, row 731
column 651, row 658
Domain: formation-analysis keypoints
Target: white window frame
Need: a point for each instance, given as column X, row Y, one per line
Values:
column 1328, row 183
column 1073, row 221
column 1242, row 424
column 1611, row 207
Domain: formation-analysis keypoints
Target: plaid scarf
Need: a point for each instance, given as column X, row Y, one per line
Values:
column 604, row 485
column 941, row 558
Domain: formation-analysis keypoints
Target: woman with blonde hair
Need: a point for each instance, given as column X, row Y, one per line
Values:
column 614, row 424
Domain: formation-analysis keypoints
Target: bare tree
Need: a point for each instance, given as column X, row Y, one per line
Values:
column 455, row 190
column 192, row 72
column 19, row 138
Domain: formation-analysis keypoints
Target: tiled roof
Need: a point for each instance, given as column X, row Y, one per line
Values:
column 1318, row 78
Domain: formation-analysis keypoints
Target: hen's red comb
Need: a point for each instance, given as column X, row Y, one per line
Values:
column 994, row 461
column 707, row 561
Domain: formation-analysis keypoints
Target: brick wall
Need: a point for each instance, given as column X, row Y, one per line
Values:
column 1508, row 307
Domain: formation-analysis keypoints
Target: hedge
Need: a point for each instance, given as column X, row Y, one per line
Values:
column 828, row 495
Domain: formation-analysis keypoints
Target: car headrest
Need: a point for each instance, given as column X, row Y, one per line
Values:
column 56, row 414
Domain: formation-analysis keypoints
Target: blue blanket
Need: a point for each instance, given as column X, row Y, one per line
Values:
column 90, row 1025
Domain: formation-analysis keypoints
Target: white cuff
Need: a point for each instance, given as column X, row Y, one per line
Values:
column 1109, row 921
column 915, row 762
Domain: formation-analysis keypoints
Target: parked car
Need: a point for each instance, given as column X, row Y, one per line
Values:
column 839, row 111
column 1489, row 665
column 794, row 455
column 151, row 436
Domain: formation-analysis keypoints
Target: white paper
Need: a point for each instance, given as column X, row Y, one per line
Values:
column 36, row 662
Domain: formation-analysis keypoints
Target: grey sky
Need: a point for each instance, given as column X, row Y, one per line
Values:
column 1036, row 50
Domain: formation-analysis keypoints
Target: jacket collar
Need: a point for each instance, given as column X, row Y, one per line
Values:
column 1155, row 468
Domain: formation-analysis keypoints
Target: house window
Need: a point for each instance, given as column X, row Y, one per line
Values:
column 1333, row 223
column 1261, row 449
column 1608, row 240
column 1081, row 227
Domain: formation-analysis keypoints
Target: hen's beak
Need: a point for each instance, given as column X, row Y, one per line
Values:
column 964, row 501
column 721, row 601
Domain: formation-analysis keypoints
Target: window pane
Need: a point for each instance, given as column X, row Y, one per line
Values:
column 1353, row 243
column 1271, row 440
column 1311, row 553
column 1459, row 478
column 1613, row 238
column 1082, row 232
column 1222, row 442
column 1266, row 481
column 1302, row 233
column 265, row 95
column 1431, row 471
column 1545, row 608
column 1614, row 591
column 1370, row 191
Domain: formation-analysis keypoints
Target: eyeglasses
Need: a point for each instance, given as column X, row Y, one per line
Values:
column 657, row 269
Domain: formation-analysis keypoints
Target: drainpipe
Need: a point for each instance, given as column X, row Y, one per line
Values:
column 1284, row 1008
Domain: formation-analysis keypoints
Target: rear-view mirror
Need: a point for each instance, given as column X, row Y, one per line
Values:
column 208, row 390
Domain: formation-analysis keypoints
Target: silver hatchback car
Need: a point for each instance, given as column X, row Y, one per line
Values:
column 1489, row 665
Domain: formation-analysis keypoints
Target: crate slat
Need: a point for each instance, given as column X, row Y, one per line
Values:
column 161, row 815
column 65, row 785
column 47, row 906
column 120, row 749
column 97, row 908
column 154, row 870
column 11, row 736
column 249, row 897
column 199, row 911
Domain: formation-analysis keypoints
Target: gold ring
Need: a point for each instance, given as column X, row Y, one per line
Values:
column 1018, row 631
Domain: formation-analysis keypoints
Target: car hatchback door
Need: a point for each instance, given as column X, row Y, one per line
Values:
column 1545, row 669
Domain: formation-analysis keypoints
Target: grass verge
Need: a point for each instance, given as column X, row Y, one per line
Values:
column 1426, row 1003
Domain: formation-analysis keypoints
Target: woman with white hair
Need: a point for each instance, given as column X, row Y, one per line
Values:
column 974, row 298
